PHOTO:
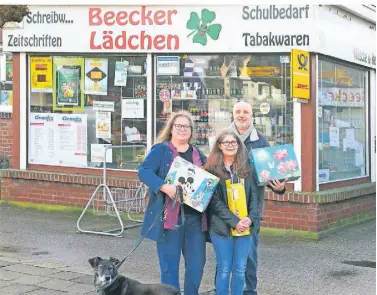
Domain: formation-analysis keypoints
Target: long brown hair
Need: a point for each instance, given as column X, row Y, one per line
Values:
column 215, row 161
column 165, row 133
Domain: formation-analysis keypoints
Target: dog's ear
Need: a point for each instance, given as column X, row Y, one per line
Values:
column 94, row 261
column 114, row 260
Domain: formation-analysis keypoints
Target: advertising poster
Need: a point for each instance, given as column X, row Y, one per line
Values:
column 133, row 108
column 168, row 65
column 68, row 83
column 6, row 101
column 9, row 71
column 103, row 124
column 58, row 139
column 97, row 152
column 41, row 74
column 121, row 69
column 42, row 139
column 334, row 136
column 96, row 72
column 71, row 149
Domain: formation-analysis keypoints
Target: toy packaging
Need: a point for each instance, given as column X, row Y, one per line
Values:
column 237, row 202
column 197, row 184
column 275, row 162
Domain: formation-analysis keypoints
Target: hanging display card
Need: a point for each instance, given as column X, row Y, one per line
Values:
column 103, row 125
column 133, row 108
column 121, row 69
column 41, row 74
column 96, row 72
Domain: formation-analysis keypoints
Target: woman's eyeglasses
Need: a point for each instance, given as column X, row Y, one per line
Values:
column 230, row 143
column 181, row 127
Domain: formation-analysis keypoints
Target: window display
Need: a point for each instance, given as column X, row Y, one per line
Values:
column 209, row 85
column 342, row 110
column 6, row 87
column 81, row 104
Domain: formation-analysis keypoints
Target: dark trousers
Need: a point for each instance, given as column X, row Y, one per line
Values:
column 191, row 242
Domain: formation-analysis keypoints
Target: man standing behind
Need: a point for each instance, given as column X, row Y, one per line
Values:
column 243, row 126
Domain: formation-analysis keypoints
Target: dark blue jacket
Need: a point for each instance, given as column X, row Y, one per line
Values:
column 152, row 173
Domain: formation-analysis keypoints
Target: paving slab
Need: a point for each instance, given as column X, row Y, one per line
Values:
column 30, row 269
column 79, row 289
column 17, row 289
column 66, row 275
column 5, row 263
column 30, row 279
column 46, row 292
column 55, row 284
column 6, row 275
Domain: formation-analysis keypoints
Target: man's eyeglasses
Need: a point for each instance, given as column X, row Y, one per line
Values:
column 182, row 127
column 230, row 143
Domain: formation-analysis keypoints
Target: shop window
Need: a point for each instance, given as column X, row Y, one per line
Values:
column 209, row 85
column 80, row 104
column 342, row 122
column 6, row 86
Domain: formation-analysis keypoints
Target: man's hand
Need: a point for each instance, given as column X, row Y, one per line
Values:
column 169, row 190
column 240, row 227
column 277, row 185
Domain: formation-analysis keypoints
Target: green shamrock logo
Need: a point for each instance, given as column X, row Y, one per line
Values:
column 203, row 27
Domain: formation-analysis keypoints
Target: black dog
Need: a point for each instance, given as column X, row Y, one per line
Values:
column 109, row 282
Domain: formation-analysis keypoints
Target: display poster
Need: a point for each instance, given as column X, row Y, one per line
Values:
column 103, row 124
column 334, row 136
column 96, row 76
column 68, row 83
column 6, row 101
column 9, row 71
column 41, row 74
column 58, row 139
column 120, row 77
column 97, row 153
column 133, row 108
column 168, row 65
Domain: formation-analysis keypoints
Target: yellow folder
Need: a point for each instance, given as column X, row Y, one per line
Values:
column 237, row 202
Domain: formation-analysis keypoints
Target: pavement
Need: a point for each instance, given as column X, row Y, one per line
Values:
column 41, row 253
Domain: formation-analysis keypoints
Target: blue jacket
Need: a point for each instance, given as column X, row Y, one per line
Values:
column 260, row 143
column 152, row 173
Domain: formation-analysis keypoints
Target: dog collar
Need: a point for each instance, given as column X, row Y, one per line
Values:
column 107, row 285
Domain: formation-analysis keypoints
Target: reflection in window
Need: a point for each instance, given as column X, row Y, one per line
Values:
column 342, row 119
column 209, row 85
column 113, row 108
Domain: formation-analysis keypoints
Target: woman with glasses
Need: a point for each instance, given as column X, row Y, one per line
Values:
column 174, row 140
column 228, row 160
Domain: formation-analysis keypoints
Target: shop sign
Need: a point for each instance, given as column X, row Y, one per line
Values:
column 300, row 74
column 194, row 29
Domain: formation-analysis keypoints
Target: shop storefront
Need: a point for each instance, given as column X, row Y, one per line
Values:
column 114, row 76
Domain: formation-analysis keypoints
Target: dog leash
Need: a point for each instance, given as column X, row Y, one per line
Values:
column 177, row 197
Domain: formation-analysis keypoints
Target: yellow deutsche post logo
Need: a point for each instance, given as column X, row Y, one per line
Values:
column 300, row 74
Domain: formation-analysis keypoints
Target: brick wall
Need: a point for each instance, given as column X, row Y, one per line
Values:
column 6, row 139
column 54, row 188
